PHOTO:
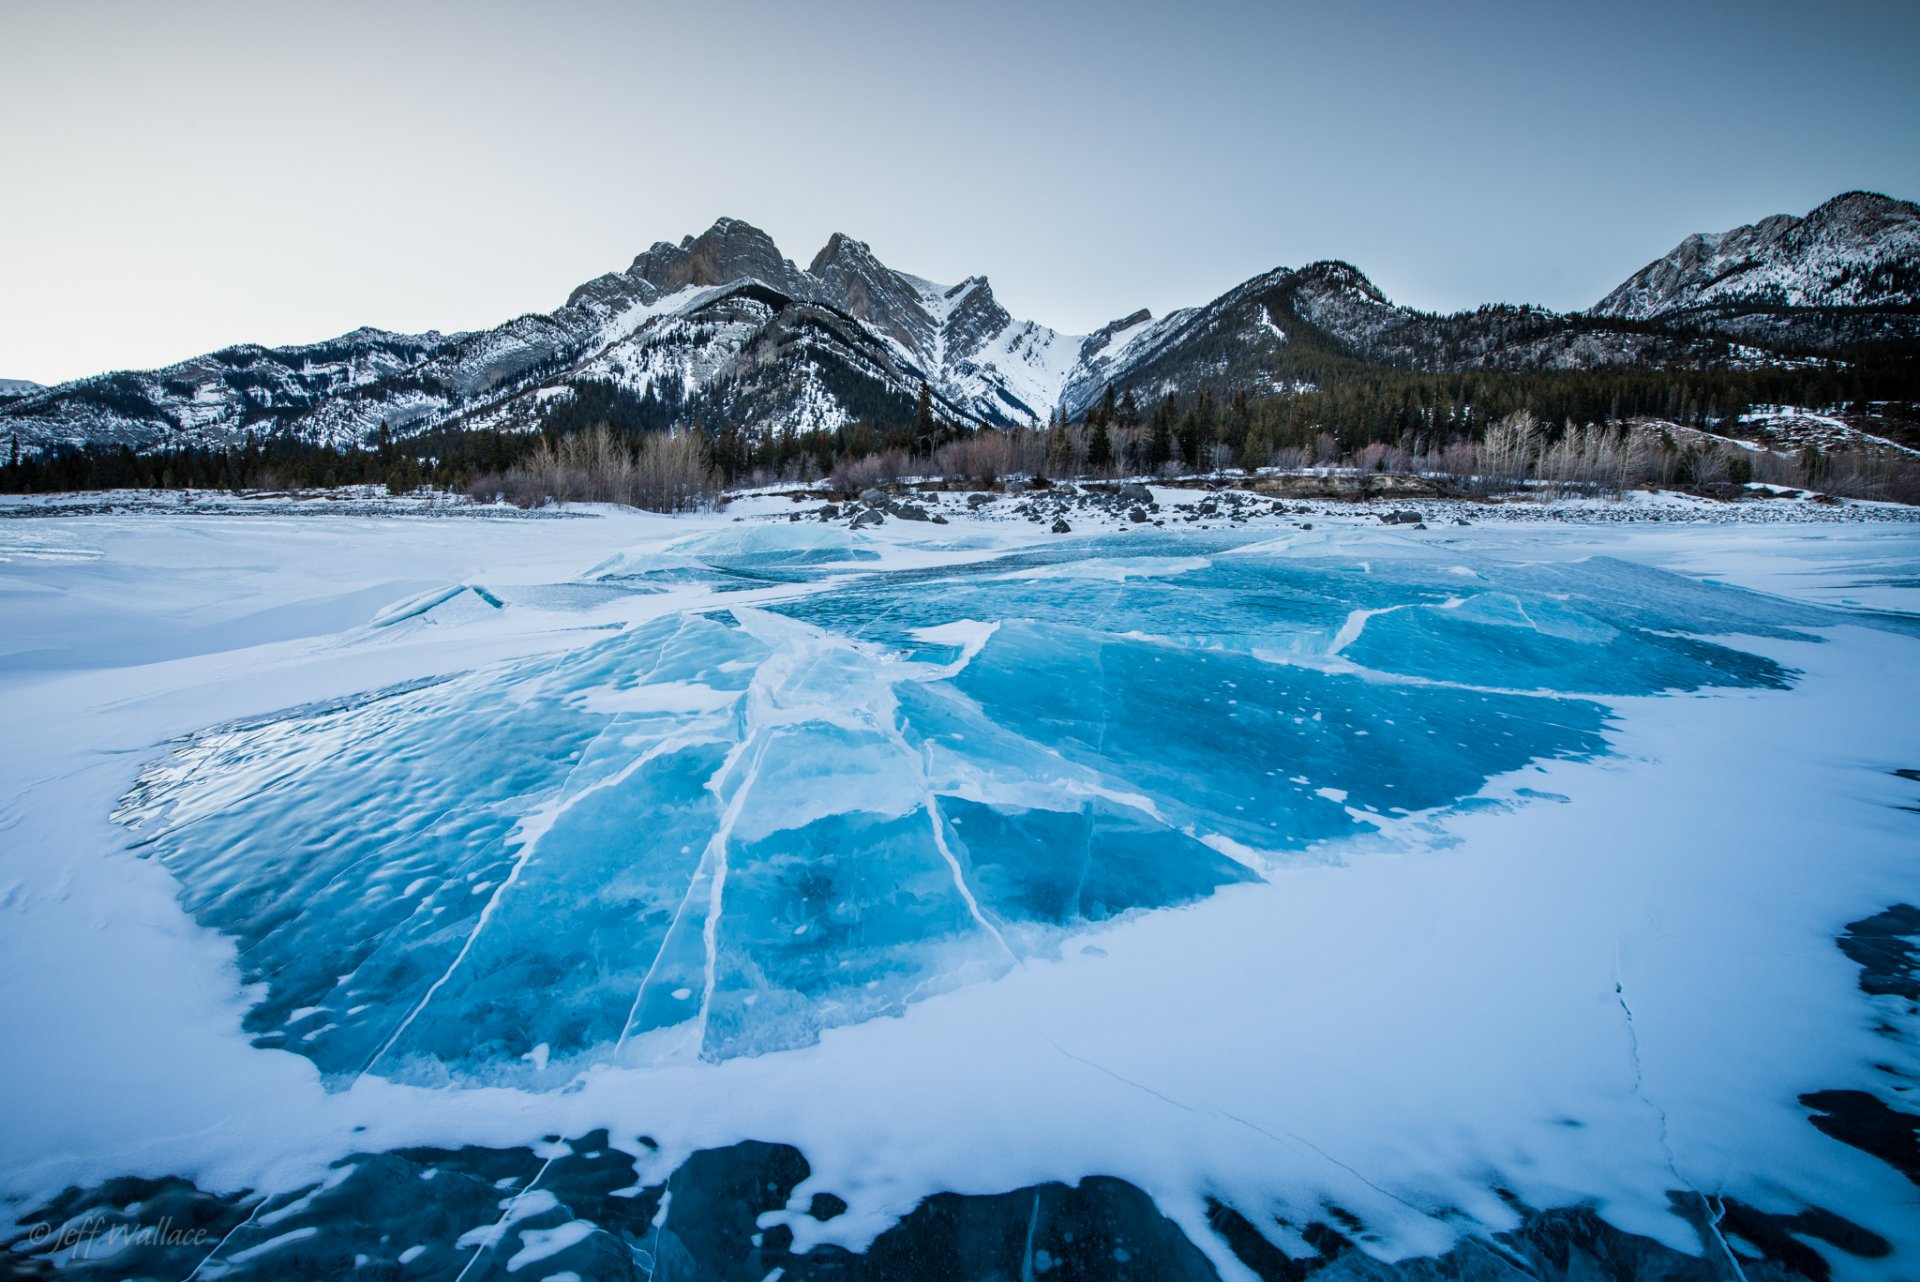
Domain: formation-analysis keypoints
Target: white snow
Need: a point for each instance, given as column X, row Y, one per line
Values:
column 543, row 1243
column 1603, row 997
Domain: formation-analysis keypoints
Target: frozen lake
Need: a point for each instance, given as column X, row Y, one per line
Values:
column 1440, row 877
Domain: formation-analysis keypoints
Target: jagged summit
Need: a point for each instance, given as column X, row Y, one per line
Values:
column 728, row 251
column 1335, row 274
column 840, row 249
column 848, row 273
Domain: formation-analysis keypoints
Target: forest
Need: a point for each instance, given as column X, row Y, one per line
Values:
column 1345, row 412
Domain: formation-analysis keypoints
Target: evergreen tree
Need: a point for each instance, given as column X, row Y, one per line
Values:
column 923, row 415
column 1059, row 448
column 1159, row 434
column 1099, row 450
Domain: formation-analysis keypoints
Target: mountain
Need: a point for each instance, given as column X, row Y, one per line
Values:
column 1849, row 272
column 1289, row 329
column 719, row 326
column 18, row 387
column 724, row 329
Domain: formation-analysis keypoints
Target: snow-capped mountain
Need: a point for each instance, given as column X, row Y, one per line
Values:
column 17, row 387
column 1854, row 261
column 721, row 321
column 724, row 328
column 1288, row 329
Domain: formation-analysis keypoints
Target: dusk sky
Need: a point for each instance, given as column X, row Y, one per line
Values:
column 179, row 177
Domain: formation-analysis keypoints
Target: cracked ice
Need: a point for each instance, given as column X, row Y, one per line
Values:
column 722, row 831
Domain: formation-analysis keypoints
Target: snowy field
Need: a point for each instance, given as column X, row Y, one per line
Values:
column 1360, row 884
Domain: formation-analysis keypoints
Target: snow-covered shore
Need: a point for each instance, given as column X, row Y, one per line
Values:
column 1206, row 505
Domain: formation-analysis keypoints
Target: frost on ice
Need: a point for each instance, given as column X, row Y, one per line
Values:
column 719, row 833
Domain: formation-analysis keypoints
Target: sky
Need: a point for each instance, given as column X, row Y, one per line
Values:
column 176, row 178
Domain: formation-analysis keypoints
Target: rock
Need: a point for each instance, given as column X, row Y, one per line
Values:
column 937, row 519
column 1865, row 1122
column 872, row 516
column 1461, row 520
column 1137, row 514
column 1060, row 526
column 1402, row 517
column 873, row 498
column 979, row 500
column 1134, row 492
column 831, row 512
column 907, row 511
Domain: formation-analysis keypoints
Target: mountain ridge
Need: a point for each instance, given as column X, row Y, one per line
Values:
column 1850, row 257
column 723, row 327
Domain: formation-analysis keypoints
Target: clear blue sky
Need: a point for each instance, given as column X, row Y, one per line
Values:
column 182, row 176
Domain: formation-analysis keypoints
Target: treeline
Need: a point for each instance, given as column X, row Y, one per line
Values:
column 440, row 459
column 1337, row 409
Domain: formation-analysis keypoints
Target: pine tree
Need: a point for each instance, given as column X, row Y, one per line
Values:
column 923, row 416
column 1059, row 448
column 1160, row 434
column 1099, row 450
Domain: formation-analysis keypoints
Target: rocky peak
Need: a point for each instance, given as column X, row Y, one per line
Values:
column 726, row 252
column 1097, row 342
column 1331, row 276
column 1864, row 212
column 842, row 253
column 851, row 278
column 973, row 317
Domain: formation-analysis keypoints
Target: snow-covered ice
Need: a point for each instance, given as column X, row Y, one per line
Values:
column 1282, row 868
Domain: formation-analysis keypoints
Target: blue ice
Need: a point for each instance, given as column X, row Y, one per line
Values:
column 719, row 834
